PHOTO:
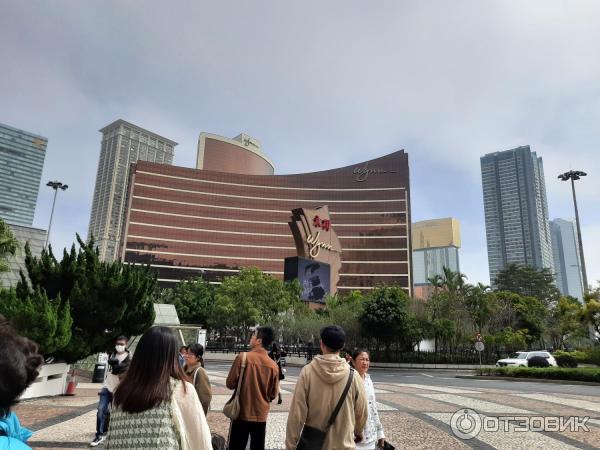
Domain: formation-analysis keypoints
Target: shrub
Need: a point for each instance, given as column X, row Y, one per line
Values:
column 552, row 373
column 538, row 361
column 566, row 361
column 593, row 355
column 579, row 355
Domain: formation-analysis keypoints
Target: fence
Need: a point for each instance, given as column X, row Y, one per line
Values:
column 462, row 356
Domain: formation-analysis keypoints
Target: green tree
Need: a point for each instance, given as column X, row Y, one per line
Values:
column 449, row 303
column 106, row 299
column 565, row 321
column 8, row 245
column 528, row 281
column 248, row 299
column 508, row 340
column 47, row 322
column 481, row 305
column 386, row 317
column 591, row 311
column 523, row 313
column 303, row 329
column 345, row 311
column 193, row 300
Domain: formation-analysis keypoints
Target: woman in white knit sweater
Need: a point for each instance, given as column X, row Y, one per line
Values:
column 373, row 433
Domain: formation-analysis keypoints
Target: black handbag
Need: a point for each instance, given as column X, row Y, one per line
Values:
column 387, row 446
column 312, row 438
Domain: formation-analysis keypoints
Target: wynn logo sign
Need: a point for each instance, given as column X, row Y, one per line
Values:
column 316, row 240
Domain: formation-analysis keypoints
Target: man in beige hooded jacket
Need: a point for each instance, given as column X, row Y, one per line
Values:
column 319, row 388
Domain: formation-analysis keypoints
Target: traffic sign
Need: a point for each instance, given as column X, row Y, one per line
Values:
column 479, row 346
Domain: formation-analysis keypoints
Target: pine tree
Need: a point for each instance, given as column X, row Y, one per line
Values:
column 47, row 322
column 106, row 299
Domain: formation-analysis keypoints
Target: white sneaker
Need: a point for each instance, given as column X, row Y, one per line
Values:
column 97, row 441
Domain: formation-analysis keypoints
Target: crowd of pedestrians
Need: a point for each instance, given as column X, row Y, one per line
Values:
column 159, row 397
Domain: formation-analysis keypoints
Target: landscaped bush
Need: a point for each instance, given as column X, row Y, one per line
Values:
column 552, row 373
column 566, row 361
column 537, row 361
column 593, row 355
column 580, row 356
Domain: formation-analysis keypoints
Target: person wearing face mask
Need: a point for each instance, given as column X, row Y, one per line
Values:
column 118, row 363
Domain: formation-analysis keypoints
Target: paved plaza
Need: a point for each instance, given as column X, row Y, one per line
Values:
column 416, row 409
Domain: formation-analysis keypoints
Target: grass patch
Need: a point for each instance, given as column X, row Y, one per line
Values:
column 550, row 373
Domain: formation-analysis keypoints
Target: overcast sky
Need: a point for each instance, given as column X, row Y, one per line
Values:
column 321, row 84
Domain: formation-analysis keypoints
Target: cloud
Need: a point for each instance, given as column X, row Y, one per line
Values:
column 321, row 84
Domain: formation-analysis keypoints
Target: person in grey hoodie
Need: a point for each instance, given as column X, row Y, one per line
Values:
column 318, row 390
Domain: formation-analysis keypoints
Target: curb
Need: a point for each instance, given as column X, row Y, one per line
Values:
column 531, row 380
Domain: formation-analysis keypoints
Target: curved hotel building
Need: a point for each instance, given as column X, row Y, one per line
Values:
column 233, row 212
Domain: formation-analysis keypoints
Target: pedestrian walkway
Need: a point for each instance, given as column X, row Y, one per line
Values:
column 413, row 415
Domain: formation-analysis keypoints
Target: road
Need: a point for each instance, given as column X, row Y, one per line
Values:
column 416, row 408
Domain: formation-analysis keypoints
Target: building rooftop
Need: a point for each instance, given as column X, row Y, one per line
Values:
column 129, row 124
column 436, row 233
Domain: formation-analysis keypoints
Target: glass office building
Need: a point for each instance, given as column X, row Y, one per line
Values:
column 21, row 162
column 435, row 245
column 516, row 210
column 565, row 250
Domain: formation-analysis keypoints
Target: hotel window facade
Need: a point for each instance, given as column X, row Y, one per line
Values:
column 189, row 222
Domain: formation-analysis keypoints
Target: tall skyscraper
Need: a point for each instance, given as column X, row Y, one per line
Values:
column 122, row 144
column 565, row 251
column 516, row 210
column 22, row 157
column 435, row 245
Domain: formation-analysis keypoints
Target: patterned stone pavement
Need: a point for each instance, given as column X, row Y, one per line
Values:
column 414, row 414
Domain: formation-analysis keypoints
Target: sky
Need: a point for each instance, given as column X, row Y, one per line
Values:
column 321, row 85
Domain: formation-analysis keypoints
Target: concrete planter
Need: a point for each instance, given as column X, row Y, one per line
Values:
column 51, row 381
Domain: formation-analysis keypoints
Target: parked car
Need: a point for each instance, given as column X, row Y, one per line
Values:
column 519, row 359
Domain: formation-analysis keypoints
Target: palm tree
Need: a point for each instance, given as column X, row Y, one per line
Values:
column 8, row 245
column 480, row 305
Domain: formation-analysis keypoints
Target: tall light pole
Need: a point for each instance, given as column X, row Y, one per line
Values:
column 56, row 185
column 574, row 175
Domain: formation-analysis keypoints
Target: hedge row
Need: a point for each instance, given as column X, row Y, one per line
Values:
column 552, row 373
column 585, row 356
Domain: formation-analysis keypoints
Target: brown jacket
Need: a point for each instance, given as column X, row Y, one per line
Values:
column 259, row 386
column 319, row 388
column 201, row 383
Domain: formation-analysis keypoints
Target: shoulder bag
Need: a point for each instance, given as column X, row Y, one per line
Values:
column 232, row 407
column 312, row 438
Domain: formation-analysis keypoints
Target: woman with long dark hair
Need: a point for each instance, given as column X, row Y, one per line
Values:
column 155, row 406
column 373, row 435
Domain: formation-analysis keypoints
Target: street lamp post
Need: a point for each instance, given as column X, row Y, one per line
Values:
column 574, row 175
column 56, row 185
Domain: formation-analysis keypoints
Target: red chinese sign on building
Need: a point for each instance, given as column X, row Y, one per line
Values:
column 324, row 224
